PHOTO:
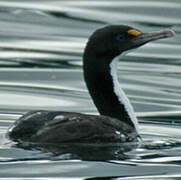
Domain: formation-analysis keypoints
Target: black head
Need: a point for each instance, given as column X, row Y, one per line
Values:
column 113, row 40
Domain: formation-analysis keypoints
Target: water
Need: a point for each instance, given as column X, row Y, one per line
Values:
column 41, row 46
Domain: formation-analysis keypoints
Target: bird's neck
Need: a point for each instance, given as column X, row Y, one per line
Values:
column 102, row 82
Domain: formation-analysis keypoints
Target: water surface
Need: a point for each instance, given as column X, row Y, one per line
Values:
column 41, row 50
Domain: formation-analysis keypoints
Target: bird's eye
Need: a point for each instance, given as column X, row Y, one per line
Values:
column 120, row 38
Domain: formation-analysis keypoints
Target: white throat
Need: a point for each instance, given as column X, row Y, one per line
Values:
column 120, row 93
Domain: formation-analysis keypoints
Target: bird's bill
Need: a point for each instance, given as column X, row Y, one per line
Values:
column 147, row 37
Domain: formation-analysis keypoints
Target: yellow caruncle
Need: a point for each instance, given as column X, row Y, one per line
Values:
column 134, row 32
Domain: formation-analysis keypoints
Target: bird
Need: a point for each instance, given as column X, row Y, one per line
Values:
column 116, row 122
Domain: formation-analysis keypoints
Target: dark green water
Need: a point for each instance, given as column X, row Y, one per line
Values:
column 41, row 46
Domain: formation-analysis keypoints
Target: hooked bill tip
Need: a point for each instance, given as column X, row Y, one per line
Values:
column 169, row 33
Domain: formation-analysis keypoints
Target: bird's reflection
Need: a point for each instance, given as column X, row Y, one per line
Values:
column 83, row 151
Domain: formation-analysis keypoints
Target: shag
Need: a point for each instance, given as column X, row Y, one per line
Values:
column 117, row 121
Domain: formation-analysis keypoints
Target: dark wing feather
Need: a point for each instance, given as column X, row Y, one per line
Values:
column 63, row 127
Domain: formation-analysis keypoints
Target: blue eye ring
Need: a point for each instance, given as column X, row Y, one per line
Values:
column 120, row 38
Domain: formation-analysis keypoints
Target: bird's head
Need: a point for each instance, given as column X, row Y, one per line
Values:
column 114, row 40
